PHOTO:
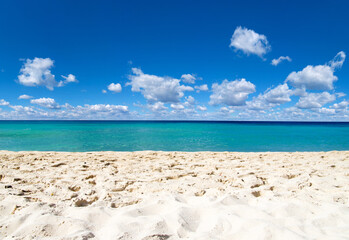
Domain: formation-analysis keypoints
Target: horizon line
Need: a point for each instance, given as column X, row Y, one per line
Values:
column 113, row 120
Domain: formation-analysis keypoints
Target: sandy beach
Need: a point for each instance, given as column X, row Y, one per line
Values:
column 174, row 195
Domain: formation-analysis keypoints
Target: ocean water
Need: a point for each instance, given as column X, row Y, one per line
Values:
column 172, row 136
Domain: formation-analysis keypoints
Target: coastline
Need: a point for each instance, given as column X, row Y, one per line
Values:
column 174, row 195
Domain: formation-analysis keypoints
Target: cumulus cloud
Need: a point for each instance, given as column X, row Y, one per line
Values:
column 320, row 77
column 202, row 108
column 104, row 91
column 70, row 78
column 22, row 109
column 104, row 108
column 67, row 79
column 282, row 94
column 231, row 93
column 157, row 107
column 155, row 88
column 226, row 110
column 327, row 111
column 177, row 106
column 178, row 110
column 190, row 100
column 46, row 102
column 300, row 92
column 249, row 42
column 36, row 72
column 25, row 96
column 315, row 100
column 278, row 95
column 276, row 61
column 188, row 78
column 294, row 113
column 115, row 87
column 94, row 111
column 271, row 98
column 342, row 105
column 66, row 111
column 313, row 78
column 4, row 103
column 201, row 88
column 22, row 112
column 258, row 104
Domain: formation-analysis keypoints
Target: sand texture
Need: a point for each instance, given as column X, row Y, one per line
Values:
column 174, row 195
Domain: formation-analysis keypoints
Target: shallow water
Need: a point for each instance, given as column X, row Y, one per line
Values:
column 172, row 136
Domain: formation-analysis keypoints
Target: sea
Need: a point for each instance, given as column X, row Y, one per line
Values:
column 85, row 136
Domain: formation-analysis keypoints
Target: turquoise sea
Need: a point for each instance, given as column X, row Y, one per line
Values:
column 172, row 136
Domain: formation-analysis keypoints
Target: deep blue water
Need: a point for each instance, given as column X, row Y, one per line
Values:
column 172, row 136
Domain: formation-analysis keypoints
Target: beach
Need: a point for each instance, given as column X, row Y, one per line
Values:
column 171, row 120
column 174, row 195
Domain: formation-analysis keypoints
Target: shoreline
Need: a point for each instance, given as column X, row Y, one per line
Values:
column 180, row 194
column 162, row 151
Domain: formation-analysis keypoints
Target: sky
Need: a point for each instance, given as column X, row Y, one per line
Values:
column 174, row 60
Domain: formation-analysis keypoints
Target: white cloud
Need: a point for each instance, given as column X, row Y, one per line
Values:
column 46, row 102
column 313, row 78
column 342, row 105
column 25, row 96
column 190, row 100
column 19, row 108
column 327, row 111
column 231, row 93
column 37, row 72
column 21, row 112
column 115, row 87
column 201, row 88
column 95, row 111
column 177, row 106
column 4, row 103
column 338, row 60
column 226, row 110
column 157, row 107
column 66, row 111
column 160, row 111
column 271, row 98
column 340, row 94
column 157, row 89
column 188, row 78
column 178, row 110
column 104, row 108
column 249, row 42
column 104, row 91
column 69, row 79
column 318, row 77
column 315, row 100
column 202, row 108
column 276, row 61
column 280, row 94
column 300, row 92
column 258, row 104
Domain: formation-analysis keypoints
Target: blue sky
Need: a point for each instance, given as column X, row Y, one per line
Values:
column 174, row 60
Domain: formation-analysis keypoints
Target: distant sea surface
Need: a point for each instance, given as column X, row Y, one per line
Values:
column 82, row 136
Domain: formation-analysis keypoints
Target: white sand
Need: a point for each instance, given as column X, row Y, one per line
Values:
column 174, row 195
